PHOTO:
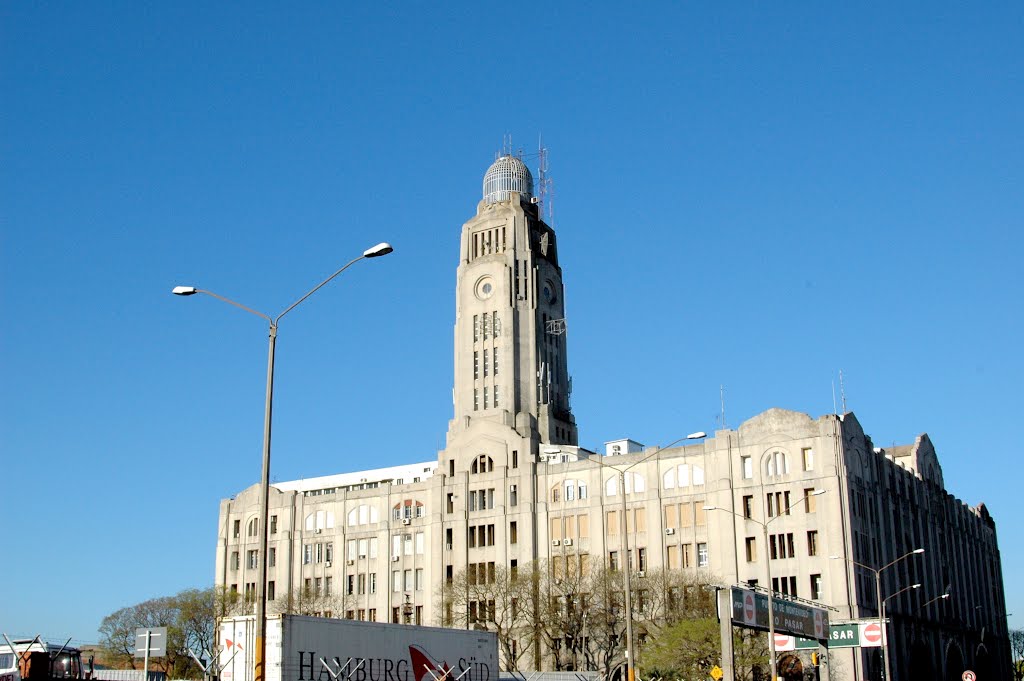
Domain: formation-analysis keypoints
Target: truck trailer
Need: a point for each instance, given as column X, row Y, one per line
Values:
column 302, row 648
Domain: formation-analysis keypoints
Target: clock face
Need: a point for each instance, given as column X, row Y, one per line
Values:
column 547, row 292
column 484, row 288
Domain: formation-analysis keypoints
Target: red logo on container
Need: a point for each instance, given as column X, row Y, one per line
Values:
column 748, row 607
column 872, row 633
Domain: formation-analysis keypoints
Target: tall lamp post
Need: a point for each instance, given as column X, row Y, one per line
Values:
column 623, row 539
column 259, row 672
column 768, row 567
column 878, row 597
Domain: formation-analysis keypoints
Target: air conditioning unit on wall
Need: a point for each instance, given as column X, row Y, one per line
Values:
column 568, row 542
column 407, row 521
column 670, row 530
column 556, row 542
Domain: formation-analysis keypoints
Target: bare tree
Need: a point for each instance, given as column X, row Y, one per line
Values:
column 495, row 598
column 564, row 604
column 305, row 601
column 1017, row 653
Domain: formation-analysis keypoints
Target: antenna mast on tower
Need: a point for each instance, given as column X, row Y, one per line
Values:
column 544, row 185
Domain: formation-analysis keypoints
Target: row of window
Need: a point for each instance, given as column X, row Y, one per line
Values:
column 489, row 367
column 782, row 546
column 681, row 555
column 486, row 326
column 777, row 463
column 491, row 398
column 787, row 586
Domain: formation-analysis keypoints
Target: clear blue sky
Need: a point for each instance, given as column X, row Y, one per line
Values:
column 754, row 195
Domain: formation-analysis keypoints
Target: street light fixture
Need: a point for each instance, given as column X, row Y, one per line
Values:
column 878, row 598
column 768, row 565
column 259, row 672
column 623, row 539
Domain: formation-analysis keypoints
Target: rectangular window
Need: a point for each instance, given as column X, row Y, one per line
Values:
column 407, row 541
column 687, row 555
column 252, row 559
column 273, row 524
column 486, row 362
column 815, row 587
column 748, row 506
column 515, row 456
column 747, row 466
column 686, row 515
column 812, row 542
column 671, row 516
column 495, row 361
column 513, row 532
column 702, row 555
column 476, row 364
column 808, row 458
column 328, row 585
column 613, row 560
column 373, row 582
column 234, row 560
column 419, row 579
column 556, row 528
column 476, row 334
column 307, row 554
column 751, row 544
column 810, row 503
column 641, row 559
column 361, row 582
column 584, row 526
column 396, row 580
column 613, row 524
column 272, row 557
column 700, row 513
column 485, row 397
column 419, row 544
column 513, row 493
column 329, row 552
column 236, row 529
column 450, row 504
column 495, row 397
column 350, row 585
column 271, row 590
column 673, row 557
column 407, row 575
column 476, row 399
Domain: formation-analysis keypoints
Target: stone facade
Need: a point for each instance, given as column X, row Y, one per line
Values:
column 512, row 486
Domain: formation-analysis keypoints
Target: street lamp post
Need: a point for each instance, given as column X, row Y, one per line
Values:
column 623, row 540
column 878, row 597
column 885, row 640
column 768, row 567
column 259, row 672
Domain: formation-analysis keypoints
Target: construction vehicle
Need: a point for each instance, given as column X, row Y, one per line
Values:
column 36, row 660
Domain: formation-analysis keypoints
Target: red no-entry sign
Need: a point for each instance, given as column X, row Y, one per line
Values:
column 872, row 634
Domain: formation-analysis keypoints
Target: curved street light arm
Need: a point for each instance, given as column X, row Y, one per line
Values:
column 903, row 557
column 239, row 305
column 317, row 288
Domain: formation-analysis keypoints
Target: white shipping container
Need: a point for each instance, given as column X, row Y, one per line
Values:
column 320, row 649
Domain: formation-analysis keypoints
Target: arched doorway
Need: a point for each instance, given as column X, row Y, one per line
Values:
column 983, row 663
column 921, row 662
column 954, row 662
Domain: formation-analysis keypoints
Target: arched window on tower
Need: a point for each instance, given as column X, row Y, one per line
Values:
column 777, row 464
column 482, row 464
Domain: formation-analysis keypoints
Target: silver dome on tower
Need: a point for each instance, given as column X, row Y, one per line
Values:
column 506, row 175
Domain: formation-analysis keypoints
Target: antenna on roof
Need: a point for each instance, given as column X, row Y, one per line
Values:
column 721, row 395
column 544, row 184
column 835, row 408
column 842, row 390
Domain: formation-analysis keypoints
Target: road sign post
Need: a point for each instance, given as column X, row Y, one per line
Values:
column 150, row 642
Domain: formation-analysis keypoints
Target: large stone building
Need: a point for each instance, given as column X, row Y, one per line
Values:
column 512, row 487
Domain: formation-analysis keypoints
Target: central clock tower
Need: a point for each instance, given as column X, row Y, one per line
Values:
column 511, row 375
